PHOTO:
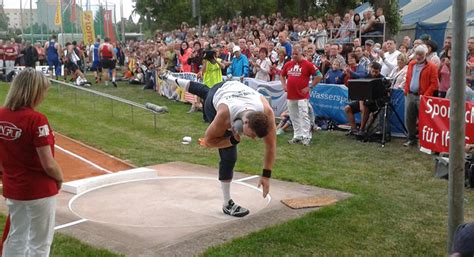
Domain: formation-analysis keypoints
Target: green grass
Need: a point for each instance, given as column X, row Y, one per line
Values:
column 398, row 207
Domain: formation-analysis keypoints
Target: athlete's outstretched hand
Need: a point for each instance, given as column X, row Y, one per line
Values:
column 265, row 183
column 202, row 142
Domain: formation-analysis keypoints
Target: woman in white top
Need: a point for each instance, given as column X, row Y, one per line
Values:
column 432, row 55
column 262, row 65
column 399, row 73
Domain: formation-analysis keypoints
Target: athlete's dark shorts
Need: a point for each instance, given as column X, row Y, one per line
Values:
column 228, row 155
column 108, row 63
column 96, row 66
column 72, row 67
column 355, row 106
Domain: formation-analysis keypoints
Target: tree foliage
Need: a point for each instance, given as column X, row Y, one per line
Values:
column 3, row 20
column 99, row 21
column 168, row 14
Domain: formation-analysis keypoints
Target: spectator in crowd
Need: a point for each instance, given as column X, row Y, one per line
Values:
column 334, row 53
column 195, row 60
column 354, row 70
column 411, row 53
column 321, row 36
column 470, row 61
column 368, row 22
column 171, row 59
column 347, row 30
column 223, row 56
column 10, row 57
column 364, row 107
column 211, row 69
column 31, row 176
column 407, row 41
column 30, row 55
column 295, row 81
column 41, row 54
column 389, row 59
column 369, row 50
column 403, row 49
column 399, row 73
column 446, row 47
column 356, row 20
column 244, row 49
column 421, row 79
column 445, row 75
column 53, row 54
column 262, row 66
column 336, row 74
column 184, row 53
column 363, row 60
column 283, row 39
column 432, row 52
column 285, row 122
column 356, row 42
column 239, row 66
column 278, row 65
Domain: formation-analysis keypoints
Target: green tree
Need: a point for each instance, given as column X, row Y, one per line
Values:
column 3, row 20
column 99, row 21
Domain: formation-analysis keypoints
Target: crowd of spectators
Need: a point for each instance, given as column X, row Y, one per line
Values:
column 340, row 47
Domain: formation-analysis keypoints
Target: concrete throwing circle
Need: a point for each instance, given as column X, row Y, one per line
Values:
column 164, row 202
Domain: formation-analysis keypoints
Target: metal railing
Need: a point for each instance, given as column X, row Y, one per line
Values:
column 112, row 99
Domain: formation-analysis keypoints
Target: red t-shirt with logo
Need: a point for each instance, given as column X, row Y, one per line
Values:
column 21, row 132
column 10, row 50
column 297, row 77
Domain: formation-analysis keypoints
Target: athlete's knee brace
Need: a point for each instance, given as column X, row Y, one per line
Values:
column 226, row 165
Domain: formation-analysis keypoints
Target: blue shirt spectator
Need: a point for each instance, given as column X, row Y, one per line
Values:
column 240, row 64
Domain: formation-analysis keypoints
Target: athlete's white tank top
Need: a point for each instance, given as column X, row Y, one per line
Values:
column 239, row 98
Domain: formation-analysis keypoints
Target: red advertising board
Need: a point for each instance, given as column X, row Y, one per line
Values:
column 433, row 123
column 108, row 26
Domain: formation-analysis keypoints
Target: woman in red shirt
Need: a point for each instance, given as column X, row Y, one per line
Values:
column 31, row 176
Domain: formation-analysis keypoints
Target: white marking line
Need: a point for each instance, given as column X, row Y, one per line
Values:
column 246, row 178
column 83, row 159
column 70, row 224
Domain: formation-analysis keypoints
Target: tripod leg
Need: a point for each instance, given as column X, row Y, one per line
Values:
column 398, row 118
column 384, row 124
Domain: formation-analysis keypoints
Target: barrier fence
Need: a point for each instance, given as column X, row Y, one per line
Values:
column 327, row 100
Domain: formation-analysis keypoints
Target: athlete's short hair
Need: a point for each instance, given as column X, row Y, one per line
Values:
column 259, row 123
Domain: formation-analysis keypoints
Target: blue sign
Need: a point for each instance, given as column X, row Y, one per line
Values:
column 329, row 100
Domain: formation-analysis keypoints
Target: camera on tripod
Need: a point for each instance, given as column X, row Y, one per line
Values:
column 374, row 89
column 375, row 92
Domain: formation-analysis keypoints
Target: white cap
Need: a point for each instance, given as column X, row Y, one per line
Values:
column 236, row 49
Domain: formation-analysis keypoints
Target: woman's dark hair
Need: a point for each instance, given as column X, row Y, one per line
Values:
column 210, row 55
column 197, row 43
column 181, row 50
column 357, row 22
column 275, row 33
column 432, row 44
column 256, row 34
column 353, row 55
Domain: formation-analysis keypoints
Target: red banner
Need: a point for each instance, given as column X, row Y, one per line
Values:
column 108, row 26
column 433, row 124
column 73, row 11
